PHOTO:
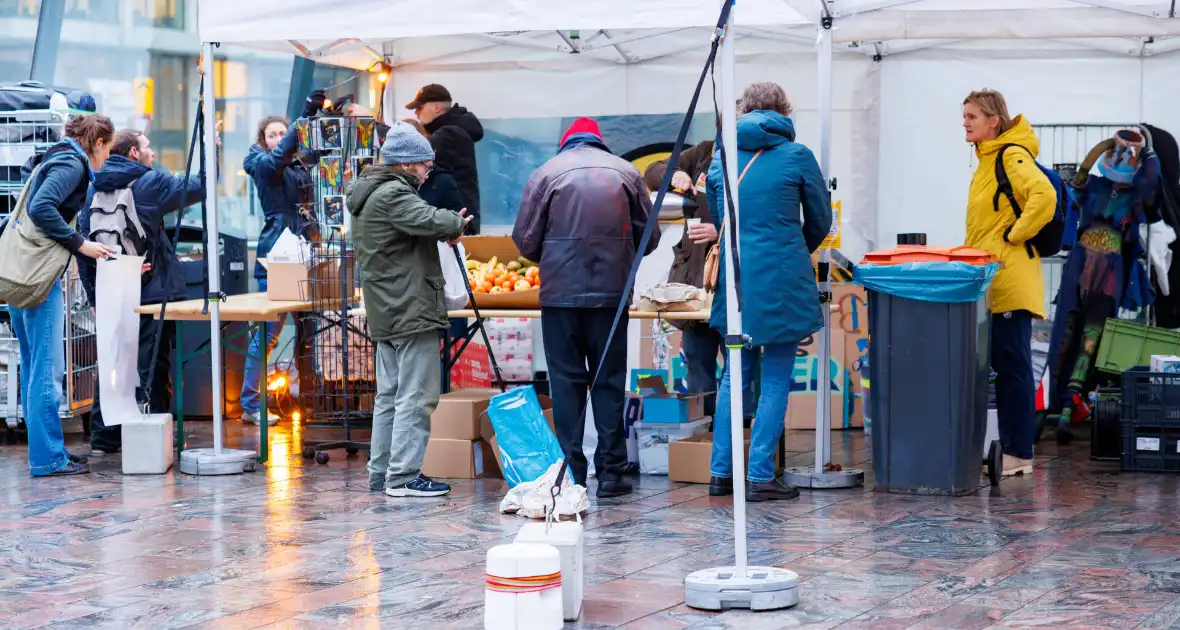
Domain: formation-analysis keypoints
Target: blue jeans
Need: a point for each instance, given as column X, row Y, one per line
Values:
column 251, row 398
column 41, row 332
column 778, row 363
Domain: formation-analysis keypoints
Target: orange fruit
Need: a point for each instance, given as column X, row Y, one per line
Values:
column 506, row 285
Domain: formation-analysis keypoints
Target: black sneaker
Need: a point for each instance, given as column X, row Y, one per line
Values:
column 608, row 488
column 78, row 459
column 421, row 486
column 770, row 491
column 720, row 486
column 71, row 469
column 95, row 452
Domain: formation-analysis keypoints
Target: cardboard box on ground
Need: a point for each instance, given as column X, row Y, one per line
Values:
column 850, row 334
column 689, row 459
column 456, row 449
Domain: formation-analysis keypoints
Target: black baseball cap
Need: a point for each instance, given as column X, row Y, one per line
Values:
column 433, row 93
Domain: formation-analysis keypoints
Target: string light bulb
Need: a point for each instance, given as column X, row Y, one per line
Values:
column 383, row 77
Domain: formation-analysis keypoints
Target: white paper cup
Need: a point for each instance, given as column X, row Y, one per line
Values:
column 691, row 222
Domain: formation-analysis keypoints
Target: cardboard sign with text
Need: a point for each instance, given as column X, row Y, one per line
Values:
column 805, row 383
column 853, row 319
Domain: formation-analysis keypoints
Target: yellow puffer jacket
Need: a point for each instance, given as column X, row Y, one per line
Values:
column 1018, row 286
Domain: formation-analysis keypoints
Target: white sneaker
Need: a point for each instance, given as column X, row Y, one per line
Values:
column 1015, row 466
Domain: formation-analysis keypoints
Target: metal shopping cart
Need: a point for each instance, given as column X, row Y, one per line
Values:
column 24, row 134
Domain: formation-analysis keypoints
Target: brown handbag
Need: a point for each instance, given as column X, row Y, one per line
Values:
column 713, row 258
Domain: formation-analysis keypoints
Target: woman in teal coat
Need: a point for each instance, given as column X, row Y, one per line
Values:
column 779, row 297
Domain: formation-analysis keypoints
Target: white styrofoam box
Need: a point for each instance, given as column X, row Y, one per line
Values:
column 147, row 444
column 654, row 438
column 566, row 537
column 1165, row 363
column 522, row 611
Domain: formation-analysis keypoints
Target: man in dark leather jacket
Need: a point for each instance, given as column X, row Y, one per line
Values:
column 582, row 215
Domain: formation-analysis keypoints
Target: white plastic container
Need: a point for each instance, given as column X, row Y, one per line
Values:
column 537, row 610
column 147, row 444
column 654, row 439
column 566, row 537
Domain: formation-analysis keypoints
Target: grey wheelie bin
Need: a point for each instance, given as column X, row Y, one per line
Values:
column 929, row 331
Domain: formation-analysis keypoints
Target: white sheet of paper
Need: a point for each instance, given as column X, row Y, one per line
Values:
column 116, row 295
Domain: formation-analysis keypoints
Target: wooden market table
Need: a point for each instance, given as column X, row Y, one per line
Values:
column 453, row 346
column 253, row 308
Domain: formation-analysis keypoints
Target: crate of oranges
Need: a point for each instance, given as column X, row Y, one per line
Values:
column 500, row 277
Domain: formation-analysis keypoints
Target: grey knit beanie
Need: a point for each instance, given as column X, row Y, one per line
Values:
column 404, row 145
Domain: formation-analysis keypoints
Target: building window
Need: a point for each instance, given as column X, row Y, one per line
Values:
column 93, row 10
column 19, row 8
column 159, row 13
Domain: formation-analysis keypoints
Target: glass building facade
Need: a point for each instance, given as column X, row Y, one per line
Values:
column 138, row 58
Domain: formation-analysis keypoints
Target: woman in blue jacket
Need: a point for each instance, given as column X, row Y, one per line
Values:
column 58, row 190
column 284, row 183
column 780, row 303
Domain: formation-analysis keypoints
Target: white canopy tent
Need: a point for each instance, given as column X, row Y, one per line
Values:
column 613, row 42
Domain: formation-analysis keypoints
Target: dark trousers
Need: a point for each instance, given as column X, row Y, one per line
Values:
column 110, row 438
column 575, row 341
column 1015, row 391
column 701, row 346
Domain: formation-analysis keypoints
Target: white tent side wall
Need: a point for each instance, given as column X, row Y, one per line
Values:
column 925, row 164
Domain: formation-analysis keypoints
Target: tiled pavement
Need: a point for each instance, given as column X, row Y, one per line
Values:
column 299, row 545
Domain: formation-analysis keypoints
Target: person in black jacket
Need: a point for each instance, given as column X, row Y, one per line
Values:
column 156, row 194
column 453, row 132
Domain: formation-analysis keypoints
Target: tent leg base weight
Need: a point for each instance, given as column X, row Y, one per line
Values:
column 723, row 588
column 205, row 462
column 808, row 477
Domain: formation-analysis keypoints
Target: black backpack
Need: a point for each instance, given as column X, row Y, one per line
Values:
column 1047, row 241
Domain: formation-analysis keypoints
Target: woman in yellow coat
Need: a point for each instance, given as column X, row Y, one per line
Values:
column 1017, row 293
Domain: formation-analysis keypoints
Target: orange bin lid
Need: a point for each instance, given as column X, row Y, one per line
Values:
column 922, row 253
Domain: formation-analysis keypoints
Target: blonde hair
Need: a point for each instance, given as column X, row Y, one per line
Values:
column 991, row 103
column 764, row 95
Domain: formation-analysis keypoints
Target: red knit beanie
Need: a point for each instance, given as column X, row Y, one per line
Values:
column 582, row 125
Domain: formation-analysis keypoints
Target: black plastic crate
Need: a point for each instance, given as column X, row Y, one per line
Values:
column 1150, row 449
column 1151, row 398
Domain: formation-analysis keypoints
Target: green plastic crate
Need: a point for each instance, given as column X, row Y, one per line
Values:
column 1126, row 344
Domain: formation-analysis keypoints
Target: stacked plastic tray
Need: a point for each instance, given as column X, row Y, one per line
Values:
column 1151, row 421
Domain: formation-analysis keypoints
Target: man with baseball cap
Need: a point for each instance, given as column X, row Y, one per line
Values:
column 453, row 132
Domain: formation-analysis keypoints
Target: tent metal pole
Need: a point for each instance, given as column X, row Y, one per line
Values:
column 817, row 476
column 739, row 586
column 733, row 315
column 212, row 238
column 217, row 460
column 823, row 401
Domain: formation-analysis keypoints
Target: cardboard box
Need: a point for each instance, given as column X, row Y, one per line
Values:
column 483, row 248
column 662, row 406
column 328, row 281
column 689, row 459
column 458, row 459
column 458, row 414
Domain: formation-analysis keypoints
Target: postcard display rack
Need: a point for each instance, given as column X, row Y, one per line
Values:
column 341, row 393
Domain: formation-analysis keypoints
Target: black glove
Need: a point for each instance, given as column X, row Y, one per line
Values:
column 314, row 103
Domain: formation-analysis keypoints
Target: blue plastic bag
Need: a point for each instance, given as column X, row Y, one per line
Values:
column 947, row 282
column 527, row 445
